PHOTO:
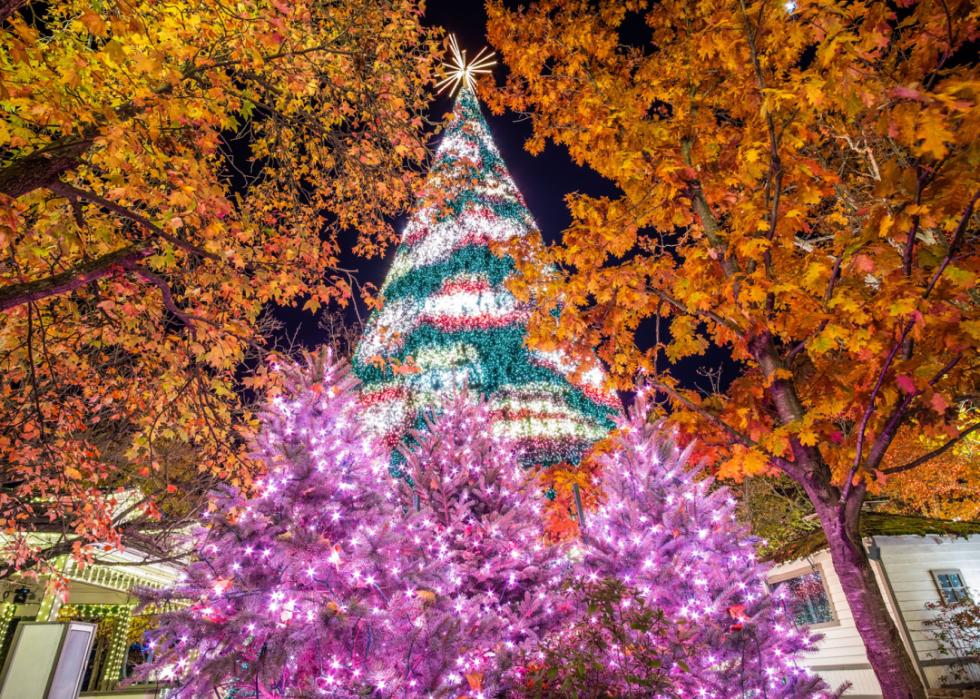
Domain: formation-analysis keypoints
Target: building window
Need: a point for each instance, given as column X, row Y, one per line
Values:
column 808, row 598
column 952, row 589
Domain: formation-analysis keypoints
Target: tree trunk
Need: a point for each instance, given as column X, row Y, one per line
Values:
column 890, row 660
column 887, row 654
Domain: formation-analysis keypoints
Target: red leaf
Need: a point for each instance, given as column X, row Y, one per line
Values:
column 906, row 383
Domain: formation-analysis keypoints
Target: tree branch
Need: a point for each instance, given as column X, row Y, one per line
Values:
column 70, row 191
column 712, row 229
column 739, row 436
column 41, row 167
column 86, row 272
column 8, row 7
column 953, row 244
column 894, row 420
column 869, row 411
column 168, row 298
column 711, row 315
column 774, row 178
column 932, row 454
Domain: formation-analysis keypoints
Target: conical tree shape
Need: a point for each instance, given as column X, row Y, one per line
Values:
column 447, row 319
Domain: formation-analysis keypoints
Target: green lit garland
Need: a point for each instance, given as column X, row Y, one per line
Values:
column 7, row 611
column 121, row 616
column 504, row 209
column 506, row 358
column 470, row 259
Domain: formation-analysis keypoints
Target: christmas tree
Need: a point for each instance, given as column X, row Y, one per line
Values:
column 477, row 522
column 448, row 320
column 690, row 612
column 330, row 581
column 286, row 585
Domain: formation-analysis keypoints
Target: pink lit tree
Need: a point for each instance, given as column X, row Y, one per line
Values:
column 673, row 600
column 329, row 581
column 477, row 520
column 292, row 590
column 337, row 580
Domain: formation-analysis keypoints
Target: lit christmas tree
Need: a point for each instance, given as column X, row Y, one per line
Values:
column 334, row 580
column 477, row 523
column 287, row 591
column 693, row 616
column 331, row 582
column 448, row 321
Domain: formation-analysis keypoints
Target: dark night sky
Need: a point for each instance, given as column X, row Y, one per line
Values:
column 544, row 180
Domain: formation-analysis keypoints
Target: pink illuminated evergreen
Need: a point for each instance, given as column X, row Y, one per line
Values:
column 331, row 582
column 292, row 589
column 670, row 534
column 336, row 580
column 477, row 521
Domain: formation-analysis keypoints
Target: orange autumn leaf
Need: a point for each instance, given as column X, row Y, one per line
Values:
column 170, row 172
column 796, row 191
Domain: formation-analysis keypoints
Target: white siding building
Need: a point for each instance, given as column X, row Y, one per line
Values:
column 912, row 571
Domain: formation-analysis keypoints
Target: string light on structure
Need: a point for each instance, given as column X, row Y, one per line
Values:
column 449, row 320
column 458, row 72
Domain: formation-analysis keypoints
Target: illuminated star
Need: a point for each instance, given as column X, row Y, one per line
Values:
column 458, row 72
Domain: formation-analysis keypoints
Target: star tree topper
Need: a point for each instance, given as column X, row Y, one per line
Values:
column 458, row 72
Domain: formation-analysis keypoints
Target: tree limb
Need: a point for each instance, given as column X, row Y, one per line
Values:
column 894, row 420
column 8, row 7
column 953, row 244
column 869, row 411
column 739, row 436
column 70, row 191
column 168, row 298
column 41, row 167
column 934, row 453
column 84, row 273
column 711, row 315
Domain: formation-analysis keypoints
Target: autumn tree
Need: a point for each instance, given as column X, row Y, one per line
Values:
column 167, row 171
column 797, row 185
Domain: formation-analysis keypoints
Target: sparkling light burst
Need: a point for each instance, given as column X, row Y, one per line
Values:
column 458, row 72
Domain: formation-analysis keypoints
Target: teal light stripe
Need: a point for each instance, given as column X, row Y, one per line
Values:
column 506, row 208
column 504, row 355
column 422, row 282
